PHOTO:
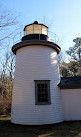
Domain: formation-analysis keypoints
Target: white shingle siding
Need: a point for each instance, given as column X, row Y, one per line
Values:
column 71, row 99
column 35, row 63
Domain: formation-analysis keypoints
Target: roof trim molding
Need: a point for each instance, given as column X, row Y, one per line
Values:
column 35, row 42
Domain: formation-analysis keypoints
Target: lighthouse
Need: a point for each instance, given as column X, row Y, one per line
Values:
column 36, row 98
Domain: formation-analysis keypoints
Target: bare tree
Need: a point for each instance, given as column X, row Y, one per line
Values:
column 7, row 74
column 6, row 21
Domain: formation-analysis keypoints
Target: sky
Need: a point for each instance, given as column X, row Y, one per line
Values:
column 63, row 17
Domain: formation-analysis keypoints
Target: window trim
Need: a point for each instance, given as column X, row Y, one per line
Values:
column 36, row 92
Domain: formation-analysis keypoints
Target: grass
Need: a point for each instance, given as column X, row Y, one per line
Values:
column 64, row 129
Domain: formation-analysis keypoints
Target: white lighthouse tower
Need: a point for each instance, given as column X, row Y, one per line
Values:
column 36, row 98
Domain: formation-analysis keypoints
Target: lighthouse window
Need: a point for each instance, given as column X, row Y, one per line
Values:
column 42, row 92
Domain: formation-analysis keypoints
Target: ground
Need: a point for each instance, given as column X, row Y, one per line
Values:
column 64, row 129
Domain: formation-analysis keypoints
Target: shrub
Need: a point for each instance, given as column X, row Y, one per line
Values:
column 5, row 106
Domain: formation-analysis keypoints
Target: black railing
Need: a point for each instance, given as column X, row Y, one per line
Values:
column 23, row 37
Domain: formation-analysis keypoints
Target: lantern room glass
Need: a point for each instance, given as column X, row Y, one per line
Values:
column 36, row 29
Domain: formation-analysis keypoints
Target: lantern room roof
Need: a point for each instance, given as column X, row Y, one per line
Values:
column 35, row 22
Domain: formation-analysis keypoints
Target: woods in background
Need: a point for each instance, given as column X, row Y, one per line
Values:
column 73, row 67
column 8, row 28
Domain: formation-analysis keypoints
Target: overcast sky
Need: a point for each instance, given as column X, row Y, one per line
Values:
column 63, row 17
